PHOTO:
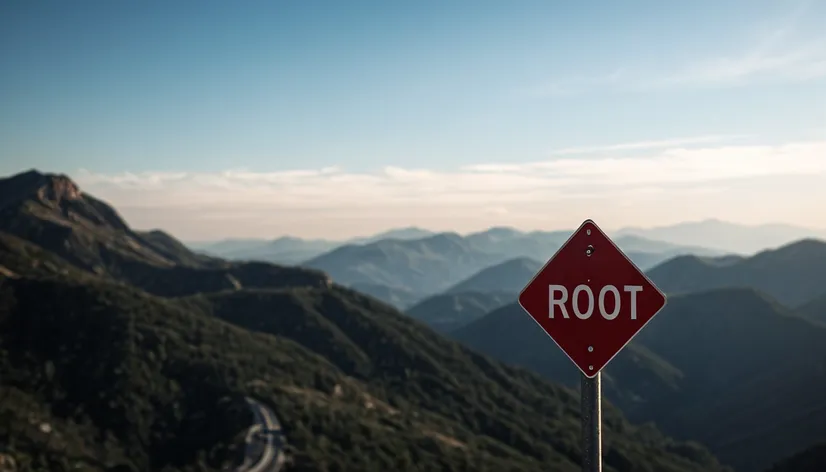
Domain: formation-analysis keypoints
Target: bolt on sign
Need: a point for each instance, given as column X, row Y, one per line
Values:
column 591, row 299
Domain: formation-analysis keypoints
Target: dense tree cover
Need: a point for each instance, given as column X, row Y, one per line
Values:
column 730, row 368
column 125, row 378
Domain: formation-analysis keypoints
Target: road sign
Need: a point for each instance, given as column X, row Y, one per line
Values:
column 591, row 299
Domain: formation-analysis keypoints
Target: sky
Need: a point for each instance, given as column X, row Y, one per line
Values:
column 215, row 119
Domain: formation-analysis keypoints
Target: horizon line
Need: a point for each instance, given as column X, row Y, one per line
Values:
column 495, row 227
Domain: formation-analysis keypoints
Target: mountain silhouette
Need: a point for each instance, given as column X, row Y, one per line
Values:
column 509, row 276
column 103, row 367
column 793, row 274
column 726, row 236
column 447, row 312
column 455, row 263
column 423, row 266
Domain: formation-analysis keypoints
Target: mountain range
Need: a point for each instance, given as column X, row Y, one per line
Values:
column 727, row 237
column 122, row 350
column 793, row 274
column 292, row 250
column 444, row 261
column 706, row 237
column 505, row 242
column 802, row 263
column 407, row 265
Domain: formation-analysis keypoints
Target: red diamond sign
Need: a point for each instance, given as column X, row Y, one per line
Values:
column 591, row 299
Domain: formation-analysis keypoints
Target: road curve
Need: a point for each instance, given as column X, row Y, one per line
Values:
column 264, row 441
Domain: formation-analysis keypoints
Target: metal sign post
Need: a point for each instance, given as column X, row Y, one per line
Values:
column 591, row 411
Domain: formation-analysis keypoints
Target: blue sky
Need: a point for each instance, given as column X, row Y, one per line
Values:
column 169, row 96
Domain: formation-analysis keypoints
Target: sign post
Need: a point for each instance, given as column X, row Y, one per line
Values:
column 591, row 300
column 591, row 411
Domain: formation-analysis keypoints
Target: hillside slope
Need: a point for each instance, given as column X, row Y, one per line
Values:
column 814, row 310
column 398, row 297
column 48, row 213
column 793, row 274
column 423, row 266
column 357, row 386
column 694, row 370
column 509, row 277
column 636, row 379
column 450, row 311
column 730, row 344
column 812, row 459
column 51, row 211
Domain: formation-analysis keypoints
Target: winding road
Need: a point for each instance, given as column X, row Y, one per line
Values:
column 264, row 441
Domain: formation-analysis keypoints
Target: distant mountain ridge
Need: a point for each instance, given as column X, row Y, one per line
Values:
column 725, row 236
column 509, row 276
column 403, row 283
column 441, row 261
column 294, row 250
column 509, row 242
column 793, row 274
column 513, row 274
column 706, row 237
column 423, row 266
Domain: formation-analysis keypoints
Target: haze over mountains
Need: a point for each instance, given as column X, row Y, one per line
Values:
column 402, row 267
column 802, row 265
column 407, row 265
column 728, row 237
column 707, row 237
column 696, row 369
column 436, row 263
column 293, row 250
column 107, row 332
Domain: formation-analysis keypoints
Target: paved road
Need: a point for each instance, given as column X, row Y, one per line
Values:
column 264, row 442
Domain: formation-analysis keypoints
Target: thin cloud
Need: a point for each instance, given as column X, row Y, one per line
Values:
column 806, row 61
column 799, row 62
column 640, row 145
column 314, row 203
column 488, row 185
column 778, row 56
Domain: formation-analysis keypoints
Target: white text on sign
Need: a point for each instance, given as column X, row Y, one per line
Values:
column 562, row 292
